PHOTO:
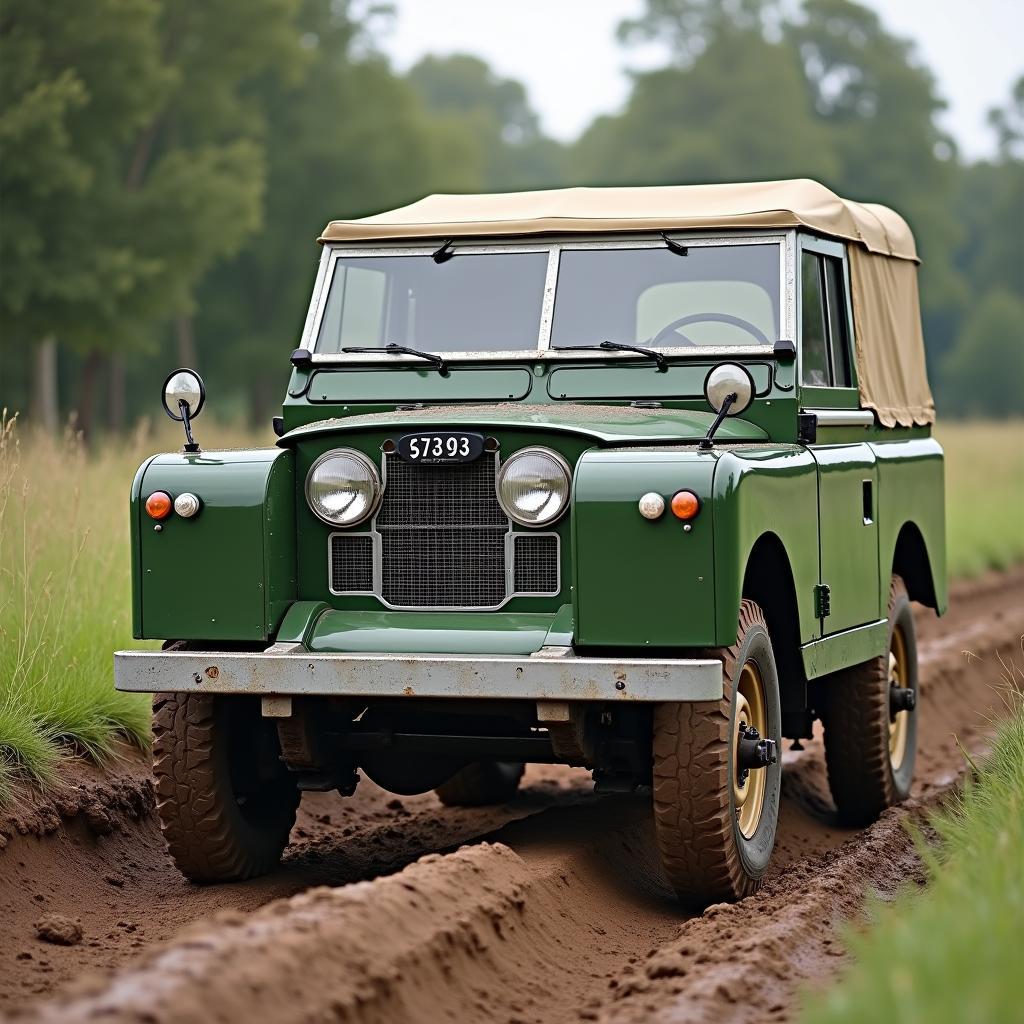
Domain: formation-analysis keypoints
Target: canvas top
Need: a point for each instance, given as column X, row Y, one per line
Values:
column 798, row 202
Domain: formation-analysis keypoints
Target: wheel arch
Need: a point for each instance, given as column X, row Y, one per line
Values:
column 910, row 561
column 768, row 580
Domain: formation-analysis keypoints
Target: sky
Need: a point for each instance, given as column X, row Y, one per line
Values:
column 566, row 54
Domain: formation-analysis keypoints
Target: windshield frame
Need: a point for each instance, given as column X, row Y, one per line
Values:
column 554, row 246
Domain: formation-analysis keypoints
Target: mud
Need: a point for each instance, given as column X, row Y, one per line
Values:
column 553, row 909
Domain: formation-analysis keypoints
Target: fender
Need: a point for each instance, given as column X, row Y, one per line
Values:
column 912, row 519
column 228, row 574
column 637, row 582
column 758, row 490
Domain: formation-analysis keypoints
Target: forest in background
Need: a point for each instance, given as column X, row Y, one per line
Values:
column 165, row 166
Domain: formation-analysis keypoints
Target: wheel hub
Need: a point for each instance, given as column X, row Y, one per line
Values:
column 902, row 700
column 750, row 753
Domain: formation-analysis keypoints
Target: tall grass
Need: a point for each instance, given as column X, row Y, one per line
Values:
column 64, row 604
column 951, row 954
column 984, row 495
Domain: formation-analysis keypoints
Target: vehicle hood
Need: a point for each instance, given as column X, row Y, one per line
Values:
column 607, row 424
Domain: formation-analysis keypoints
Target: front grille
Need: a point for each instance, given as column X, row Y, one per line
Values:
column 442, row 536
column 351, row 563
column 536, row 563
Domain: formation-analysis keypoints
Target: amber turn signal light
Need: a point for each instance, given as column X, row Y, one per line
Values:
column 685, row 505
column 159, row 505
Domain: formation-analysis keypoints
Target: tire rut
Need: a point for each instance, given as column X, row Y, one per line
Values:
column 560, row 916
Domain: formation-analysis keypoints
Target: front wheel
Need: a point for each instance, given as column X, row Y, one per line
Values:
column 717, row 775
column 225, row 800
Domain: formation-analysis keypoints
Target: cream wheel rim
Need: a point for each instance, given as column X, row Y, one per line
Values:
column 899, row 723
column 751, row 710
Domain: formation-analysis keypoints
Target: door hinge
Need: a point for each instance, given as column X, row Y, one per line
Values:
column 822, row 600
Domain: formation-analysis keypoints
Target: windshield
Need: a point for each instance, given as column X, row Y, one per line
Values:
column 716, row 295
column 469, row 303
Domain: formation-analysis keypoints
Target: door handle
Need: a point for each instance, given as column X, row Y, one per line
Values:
column 868, row 502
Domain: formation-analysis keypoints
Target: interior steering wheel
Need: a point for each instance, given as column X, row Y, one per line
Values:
column 717, row 318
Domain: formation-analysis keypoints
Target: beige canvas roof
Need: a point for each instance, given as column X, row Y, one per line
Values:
column 766, row 204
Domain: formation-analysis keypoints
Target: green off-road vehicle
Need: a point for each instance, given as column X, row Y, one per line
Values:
column 635, row 479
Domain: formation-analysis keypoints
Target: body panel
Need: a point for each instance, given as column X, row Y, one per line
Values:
column 770, row 489
column 848, row 533
column 637, row 582
column 228, row 573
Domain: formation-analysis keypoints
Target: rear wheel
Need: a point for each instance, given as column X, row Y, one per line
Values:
column 480, row 783
column 225, row 800
column 717, row 776
column 870, row 722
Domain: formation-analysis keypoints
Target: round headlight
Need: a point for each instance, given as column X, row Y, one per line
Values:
column 343, row 487
column 533, row 486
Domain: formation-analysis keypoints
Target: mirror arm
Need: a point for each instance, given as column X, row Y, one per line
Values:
column 708, row 440
column 190, row 446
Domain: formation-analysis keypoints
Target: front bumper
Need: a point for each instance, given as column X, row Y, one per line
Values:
column 290, row 670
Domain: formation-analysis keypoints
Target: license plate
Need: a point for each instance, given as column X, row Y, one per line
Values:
column 440, row 447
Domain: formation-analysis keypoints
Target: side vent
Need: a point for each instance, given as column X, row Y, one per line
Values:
column 351, row 563
column 536, row 563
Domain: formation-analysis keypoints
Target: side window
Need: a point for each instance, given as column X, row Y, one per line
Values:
column 814, row 341
column 824, row 335
column 835, row 297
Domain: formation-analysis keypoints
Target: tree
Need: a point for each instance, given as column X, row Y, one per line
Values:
column 984, row 373
column 349, row 138
column 76, row 82
column 159, row 169
column 738, row 111
column 879, row 105
column 512, row 152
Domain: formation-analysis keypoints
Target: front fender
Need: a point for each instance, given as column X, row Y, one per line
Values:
column 636, row 582
column 228, row 574
column 769, row 489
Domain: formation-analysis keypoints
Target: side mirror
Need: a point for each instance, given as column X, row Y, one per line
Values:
column 727, row 379
column 183, row 398
column 729, row 390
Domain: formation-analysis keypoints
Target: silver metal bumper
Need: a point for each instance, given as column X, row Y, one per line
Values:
column 291, row 670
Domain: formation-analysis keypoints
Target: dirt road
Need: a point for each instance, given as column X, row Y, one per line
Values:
column 552, row 910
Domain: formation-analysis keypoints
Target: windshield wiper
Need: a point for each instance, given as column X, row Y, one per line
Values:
column 617, row 346
column 400, row 350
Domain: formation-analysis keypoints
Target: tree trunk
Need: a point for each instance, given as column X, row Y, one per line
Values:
column 116, row 403
column 87, row 394
column 183, row 329
column 45, row 410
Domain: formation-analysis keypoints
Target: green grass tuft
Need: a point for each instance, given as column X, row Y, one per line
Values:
column 951, row 953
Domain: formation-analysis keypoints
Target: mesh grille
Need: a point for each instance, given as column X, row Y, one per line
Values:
column 536, row 564
column 351, row 563
column 442, row 536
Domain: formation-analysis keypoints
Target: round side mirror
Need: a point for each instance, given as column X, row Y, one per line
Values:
column 729, row 379
column 183, row 386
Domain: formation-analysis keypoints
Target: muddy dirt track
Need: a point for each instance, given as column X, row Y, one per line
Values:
column 547, row 909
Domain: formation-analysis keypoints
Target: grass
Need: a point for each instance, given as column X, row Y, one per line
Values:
column 984, row 495
column 65, row 581
column 951, row 953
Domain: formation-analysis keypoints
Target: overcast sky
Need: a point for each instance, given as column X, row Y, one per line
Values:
column 565, row 52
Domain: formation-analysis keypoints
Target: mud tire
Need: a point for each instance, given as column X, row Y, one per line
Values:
column 705, row 856
column 856, row 720
column 481, row 783
column 226, row 804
